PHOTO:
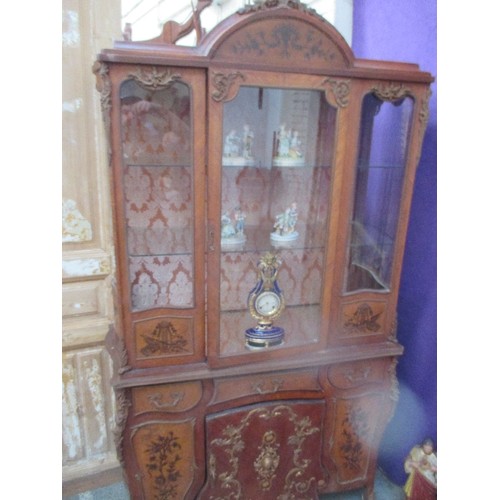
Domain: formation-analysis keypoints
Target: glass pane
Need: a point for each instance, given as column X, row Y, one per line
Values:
column 276, row 173
column 158, row 198
column 385, row 128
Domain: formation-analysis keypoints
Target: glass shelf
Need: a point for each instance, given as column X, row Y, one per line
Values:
column 276, row 174
column 157, row 174
column 382, row 153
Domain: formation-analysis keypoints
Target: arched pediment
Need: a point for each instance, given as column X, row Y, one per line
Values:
column 278, row 35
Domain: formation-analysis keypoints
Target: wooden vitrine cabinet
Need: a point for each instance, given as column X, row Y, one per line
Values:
column 261, row 183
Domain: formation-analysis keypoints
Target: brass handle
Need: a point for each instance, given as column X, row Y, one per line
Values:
column 359, row 375
column 260, row 386
column 175, row 399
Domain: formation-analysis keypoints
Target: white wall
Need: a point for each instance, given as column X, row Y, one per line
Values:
column 148, row 16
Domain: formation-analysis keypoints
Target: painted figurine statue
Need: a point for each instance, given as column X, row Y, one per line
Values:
column 287, row 148
column 421, row 465
column 238, row 150
column 233, row 227
column 284, row 225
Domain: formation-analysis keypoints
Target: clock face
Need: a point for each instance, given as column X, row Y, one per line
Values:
column 267, row 303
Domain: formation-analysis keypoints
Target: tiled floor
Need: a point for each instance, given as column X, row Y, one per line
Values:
column 384, row 490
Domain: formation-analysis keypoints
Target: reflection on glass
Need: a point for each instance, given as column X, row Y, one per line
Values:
column 379, row 181
column 277, row 152
column 157, row 187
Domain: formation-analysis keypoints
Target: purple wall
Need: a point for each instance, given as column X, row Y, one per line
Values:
column 405, row 30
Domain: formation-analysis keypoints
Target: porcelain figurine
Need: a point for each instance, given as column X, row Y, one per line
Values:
column 238, row 150
column 421, row 465
column 233, row 227
column 284, row 225
column 288, row 148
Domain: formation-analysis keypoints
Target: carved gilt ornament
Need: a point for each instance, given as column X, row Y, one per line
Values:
column 154, row 79
column 222, row 83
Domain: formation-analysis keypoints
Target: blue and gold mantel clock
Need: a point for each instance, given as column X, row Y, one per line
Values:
column 266, row 303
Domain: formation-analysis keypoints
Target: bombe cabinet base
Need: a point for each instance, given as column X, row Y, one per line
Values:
column 280, row 434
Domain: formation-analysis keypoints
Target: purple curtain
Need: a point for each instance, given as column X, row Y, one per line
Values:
column 405, row 30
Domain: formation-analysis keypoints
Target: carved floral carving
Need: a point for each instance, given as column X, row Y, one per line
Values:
column 153, row 79
column 391, row 91
column 261, row 5
column 222, row 83
column 103, row 86
column 122, row 404
column 340, row 90
column 115, row 345
column 267, row 462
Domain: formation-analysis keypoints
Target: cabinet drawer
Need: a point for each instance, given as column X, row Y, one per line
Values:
column 265, row 383
column 167, row 397
column 356, row 374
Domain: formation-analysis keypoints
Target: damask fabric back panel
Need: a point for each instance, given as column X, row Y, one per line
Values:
column 267, row 451
column 159, row 211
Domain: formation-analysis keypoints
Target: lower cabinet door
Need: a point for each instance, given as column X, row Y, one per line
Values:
column 265, row 451
column 164, row 454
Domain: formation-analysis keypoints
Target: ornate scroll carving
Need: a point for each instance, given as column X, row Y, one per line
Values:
column 296, row 481
column 261, row 5
column 423, row 117
column 340, row 90
column 424, row 110
column 267, row 462
column 393, row 334
column 103, row 86
column 363, row 320
column 123, row 404
column 153, row 79
column 391, row 91
column 222, row 84
column 115, row 345
column 164, row 339
column 394, row 392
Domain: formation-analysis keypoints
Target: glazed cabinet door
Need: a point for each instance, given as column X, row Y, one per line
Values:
column 159, row 186
column 271, row 170
column 390, row 120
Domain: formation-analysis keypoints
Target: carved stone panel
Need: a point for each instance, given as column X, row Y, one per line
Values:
column 269, row 451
